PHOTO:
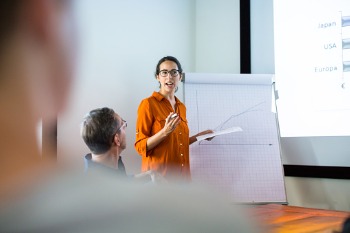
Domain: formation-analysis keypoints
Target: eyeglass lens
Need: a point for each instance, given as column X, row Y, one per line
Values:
column 165, row 73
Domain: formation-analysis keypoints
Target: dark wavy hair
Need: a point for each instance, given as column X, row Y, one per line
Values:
column 168, row 58
column 98, row 129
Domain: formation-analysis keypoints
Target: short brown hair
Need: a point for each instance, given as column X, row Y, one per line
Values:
column 98, row 129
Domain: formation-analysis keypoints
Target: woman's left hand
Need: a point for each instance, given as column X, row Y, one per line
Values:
column 208, row 131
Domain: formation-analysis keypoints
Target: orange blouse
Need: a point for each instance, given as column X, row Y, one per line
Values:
column 170, row 157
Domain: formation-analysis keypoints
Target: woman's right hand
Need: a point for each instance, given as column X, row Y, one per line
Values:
column 171, row 123
column 169, row 126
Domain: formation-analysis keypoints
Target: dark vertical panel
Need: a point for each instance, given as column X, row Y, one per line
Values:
column 245, row 36
column 317, row 171
column 49, row 139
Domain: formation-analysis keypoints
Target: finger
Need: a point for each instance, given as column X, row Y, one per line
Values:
column 176, row 123
column 168, row 117
column 176, row 120
column 173, row 115
column 170, row 114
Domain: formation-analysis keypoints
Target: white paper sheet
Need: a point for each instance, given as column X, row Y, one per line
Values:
column 219, row 132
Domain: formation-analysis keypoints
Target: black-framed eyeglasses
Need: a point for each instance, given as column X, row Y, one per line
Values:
column 173, row 73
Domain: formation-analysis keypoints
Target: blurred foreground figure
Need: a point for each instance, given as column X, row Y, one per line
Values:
column 36, row 68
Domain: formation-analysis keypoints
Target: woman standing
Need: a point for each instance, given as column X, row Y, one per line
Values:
column 162, row 134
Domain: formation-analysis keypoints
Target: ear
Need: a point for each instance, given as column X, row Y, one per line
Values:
column 157, row 77
column 181, row 75
column 116, row 139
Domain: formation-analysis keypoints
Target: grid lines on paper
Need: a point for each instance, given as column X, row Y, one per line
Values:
column 246, row 165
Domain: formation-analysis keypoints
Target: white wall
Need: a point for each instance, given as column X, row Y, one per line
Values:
column 217, row 36
column 323, row 151
column 262, row 42
column 330, row 194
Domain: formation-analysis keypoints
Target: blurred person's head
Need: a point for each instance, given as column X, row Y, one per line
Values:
column 37, row 43
column 103, row 129
column 37, row 46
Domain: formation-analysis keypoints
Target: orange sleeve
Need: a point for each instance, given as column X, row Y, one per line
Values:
column 144, row 124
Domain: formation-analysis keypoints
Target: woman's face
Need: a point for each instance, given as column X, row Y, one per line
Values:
column 168, row 77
